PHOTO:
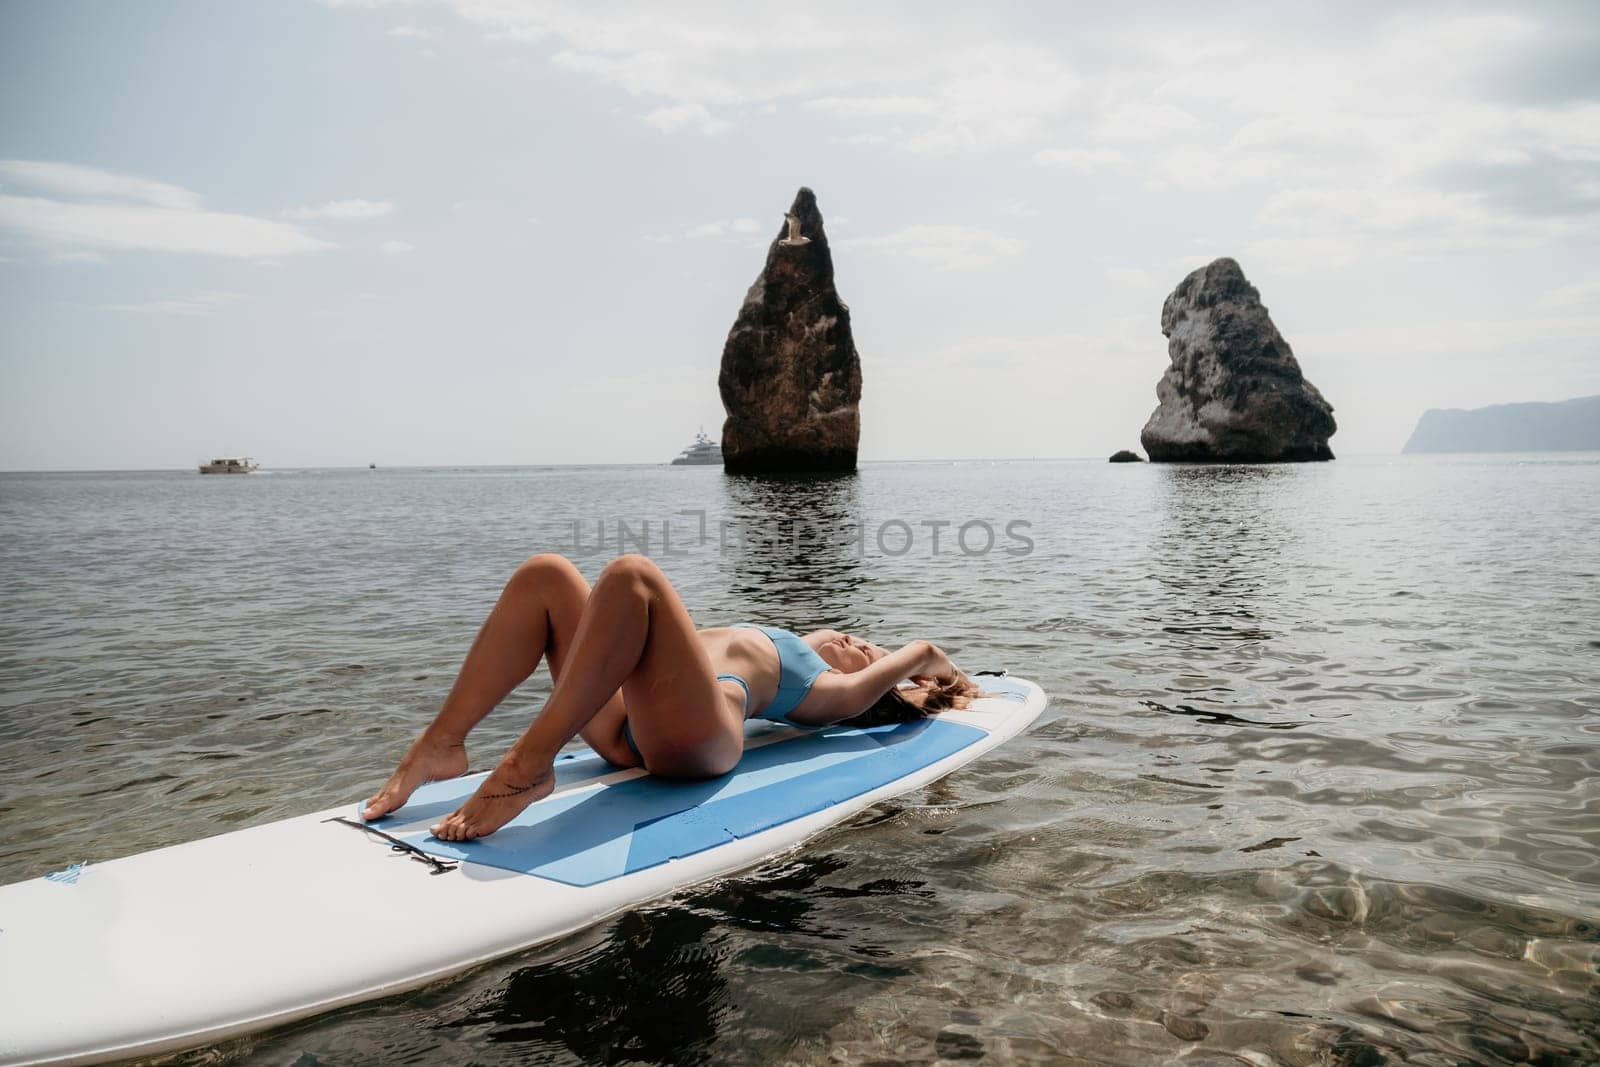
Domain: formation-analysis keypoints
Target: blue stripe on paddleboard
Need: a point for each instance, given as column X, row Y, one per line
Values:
column 595, row 835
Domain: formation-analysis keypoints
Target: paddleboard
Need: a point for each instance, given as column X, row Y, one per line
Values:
column 197, row 943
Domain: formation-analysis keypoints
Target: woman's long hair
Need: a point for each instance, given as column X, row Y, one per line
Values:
column 906, row 705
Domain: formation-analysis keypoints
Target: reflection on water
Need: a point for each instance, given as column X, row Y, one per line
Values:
column 1320, row 782
column 798, row 560
column 1219, row 543
column 652, row 992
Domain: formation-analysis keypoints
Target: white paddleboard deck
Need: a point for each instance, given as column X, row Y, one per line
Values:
column 200, row 942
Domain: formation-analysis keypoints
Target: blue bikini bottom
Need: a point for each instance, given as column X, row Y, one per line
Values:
column 627, row 731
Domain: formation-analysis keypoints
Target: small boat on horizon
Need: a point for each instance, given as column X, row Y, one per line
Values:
column 230, row 466
column 702, row 453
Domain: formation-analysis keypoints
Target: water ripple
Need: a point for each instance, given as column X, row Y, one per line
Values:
column 1318, row 785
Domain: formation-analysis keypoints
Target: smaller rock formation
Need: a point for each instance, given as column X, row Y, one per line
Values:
column 1233, row 392
column 1564, row 426
column 1124, row 456
column 791, row 379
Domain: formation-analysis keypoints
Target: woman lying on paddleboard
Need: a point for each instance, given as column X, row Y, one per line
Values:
column 642, row 686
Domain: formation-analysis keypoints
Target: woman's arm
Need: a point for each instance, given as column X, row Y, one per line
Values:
column 835, row 697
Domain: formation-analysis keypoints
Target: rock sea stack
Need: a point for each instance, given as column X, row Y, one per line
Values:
column 1122, row 455
column 791, row 379
column 1233, row 392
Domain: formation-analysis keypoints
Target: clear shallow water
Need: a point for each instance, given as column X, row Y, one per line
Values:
column 1317, row 784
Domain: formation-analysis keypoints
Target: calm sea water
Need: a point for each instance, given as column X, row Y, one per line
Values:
column 1317, row 784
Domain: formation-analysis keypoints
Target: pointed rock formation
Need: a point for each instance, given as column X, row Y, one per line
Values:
column 791, row 379
column 1234, row 392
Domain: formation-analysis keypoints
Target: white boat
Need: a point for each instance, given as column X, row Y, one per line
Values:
column 230, row 466
column 703, row 452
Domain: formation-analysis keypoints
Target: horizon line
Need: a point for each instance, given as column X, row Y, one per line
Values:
column 646, row 463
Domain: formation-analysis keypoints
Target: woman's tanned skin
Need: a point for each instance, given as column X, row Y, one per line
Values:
column 627, row 651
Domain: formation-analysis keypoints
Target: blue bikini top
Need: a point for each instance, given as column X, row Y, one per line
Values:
column 798, row 669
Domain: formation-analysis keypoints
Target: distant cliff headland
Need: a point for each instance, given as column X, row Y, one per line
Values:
column 1565, row 426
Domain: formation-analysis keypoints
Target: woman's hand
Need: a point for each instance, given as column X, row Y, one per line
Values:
column 942, row 684
column 936, row 669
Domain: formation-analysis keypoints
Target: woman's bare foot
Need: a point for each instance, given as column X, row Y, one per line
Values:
column 500, row 798
column 427, row 760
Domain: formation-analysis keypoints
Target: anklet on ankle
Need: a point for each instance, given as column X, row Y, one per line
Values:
column 514, row 792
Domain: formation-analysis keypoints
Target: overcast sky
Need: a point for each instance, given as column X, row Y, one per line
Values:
column 494, row 231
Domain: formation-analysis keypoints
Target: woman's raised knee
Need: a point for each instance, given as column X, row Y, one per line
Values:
column 632, row 568
column 544, row 568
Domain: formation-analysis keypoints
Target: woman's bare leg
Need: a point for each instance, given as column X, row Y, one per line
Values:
column 536, row 616
column 636, row 635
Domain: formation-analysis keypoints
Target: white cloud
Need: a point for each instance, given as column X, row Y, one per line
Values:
column 136, row 226
column 723, row 228
column 341, row 210
column 1202, row 102
column 1209, row 102
column 1147, row 121
column 728, row 57
column 199, row 305
column 1131, row 276
column 686, row 116
column 945, row 247
column 415, row 33
column 1082, row 160
column 1325, row 226
column 89, row 183
column 706, row 70
column 1483, row 338
column 1123, row 336
column 77, row 257
column 994, row 96
column 1571, row 133
column 1583, row 294
column 875, row 107
column 396, row 248
column 1324, row 113
column 103, row 209
column 739, row 230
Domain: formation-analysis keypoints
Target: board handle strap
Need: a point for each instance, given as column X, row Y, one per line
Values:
column 396, row 845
